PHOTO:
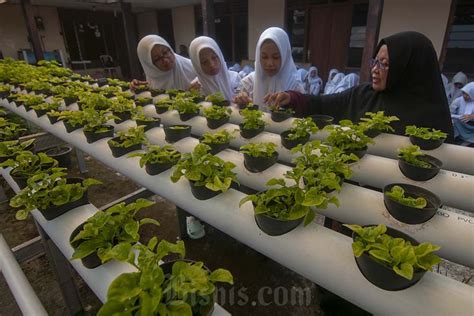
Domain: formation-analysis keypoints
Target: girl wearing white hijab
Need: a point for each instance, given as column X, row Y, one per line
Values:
column 333, row 72
column 211, row 68
column 462, row 112
column 163, row 68
column 332, row 85
column 302, row 73
column 313, row 82
column 274, row 69
column 454, row 88
column 245, row 71
column 349, row 81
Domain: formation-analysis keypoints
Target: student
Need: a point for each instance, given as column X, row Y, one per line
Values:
column 274, row 69
column 349, row 81
column 462, row 112
column 313, row 82
column 329, row 85
column 163, row 68
column 454, row 88
column 406, row 82
column 332, row 85
column 211, row 68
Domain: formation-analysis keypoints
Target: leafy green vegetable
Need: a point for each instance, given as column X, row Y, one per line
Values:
column 396, row 253
column 217, row 112
column 27, row 164
column 111, row 233
column 221, row 137
column 347, row 136
column 204, row 169
column 412, row 155
column 302, row 128
column 10, row 130
column 184, row 105
column 425, row 133
column 215, row 98
column 46, row 189
column 128, row 138
column 378, row 121
column 264, row 150
column 158, row 155
column 96, row 120
column 252, row 119
column 397, row 193
column 11, row 148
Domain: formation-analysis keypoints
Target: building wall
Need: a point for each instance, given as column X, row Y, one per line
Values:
column 147, row 23
column 262, row 15
column 184, row 27
column 427, row 17
column 14, row 34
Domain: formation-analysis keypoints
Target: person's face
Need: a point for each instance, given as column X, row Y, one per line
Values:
column 379, row 75
column 270, row 58
column 458, row 85
column 210, row 63
column 466, row 97
column 162, row 57
column 313, row 73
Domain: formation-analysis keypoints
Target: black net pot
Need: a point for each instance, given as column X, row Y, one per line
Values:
column 54, row 211
column 70, row 100
column 250, row 107
column 250, row 133
column 215, row 148
column 102, row 82
column 358, row 152
column 149, row 124
column 187, row 116
column 173, row 135
column 382, row 276
column 408, row 214
column 71, row 128
column 45, row 92
column 123, row 116
column 200, row 192
column 120, row 151
column 206, row 304
column 52, row 119
column 4, row 94
column 276, row 227
column 290, row 143
column 426, row 144
column 161, row 109
column 40, row 113
column 90, row 261
column 62, row 154
column 140, row 90
column 198, row 99
column 213, row 124
column 223, row 103
column 157, row 168
column 157, row 92
column 372, row 133
column 418, row 173
column 322, row 120
column 93, row 137
column 259, row 164
column 144, row 103
column 280, row 116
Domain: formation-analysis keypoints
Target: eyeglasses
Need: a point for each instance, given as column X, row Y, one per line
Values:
column 165, row 55
column 374, row 62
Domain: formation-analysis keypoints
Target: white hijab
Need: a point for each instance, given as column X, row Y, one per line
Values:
column 211, row 84
column 349, row 81
column 245, row 71
column 302, row 73
column 179, row 77
column 329, row 84
column 285, row 79
column 314, row 83
column 461, row 107
column 332, row 85
column 453, row 91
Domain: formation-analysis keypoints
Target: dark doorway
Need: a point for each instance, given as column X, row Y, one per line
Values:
column 330, row 31
column 165, row 27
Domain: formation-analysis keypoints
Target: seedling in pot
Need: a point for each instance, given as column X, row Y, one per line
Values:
column 374, row 123
column 186, row 107
column 127, row 141
column 10, row 130
column 47, row 190
column 218, row 138
column 216, row 116
column 163, row 105
column 43, row 108
column 348, row 137
column 205, row 172
column 299, row 133
column 252, row 123
column 397, row 193
column 258, row 157
column 111, row 234
column 279, row 114
column 9, row 149
column 217, row 99
column 26, row 164
column 416, row 165
column 426, row 138
column 158, row 159
column 142, row 101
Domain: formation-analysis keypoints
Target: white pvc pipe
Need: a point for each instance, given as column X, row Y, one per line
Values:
column 24, row 295
column 370, row 170
column 315, row 252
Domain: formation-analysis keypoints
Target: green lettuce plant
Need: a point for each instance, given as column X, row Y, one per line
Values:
column 11, row 148
column 27, row 164
column 378, row 121
column 412, row 155
column 263, row 150
column 397, row 193
column 302, row 128
column 158, row 155
column 347, row 136
column 217, row 112
column 221, row 137
column 128, row 138
column 252, row 119
column 425, row 133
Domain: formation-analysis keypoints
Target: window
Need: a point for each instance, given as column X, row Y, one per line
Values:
column 296, row 32
column 460, row 45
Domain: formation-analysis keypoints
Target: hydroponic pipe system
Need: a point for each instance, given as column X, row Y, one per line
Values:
column 358, row 205
column 315, row 252
column 454, row 189
column 59, row 230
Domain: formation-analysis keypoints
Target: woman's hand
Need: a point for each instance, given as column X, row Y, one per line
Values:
column 242, row 98
column 135, row 83
column 278, row 99
column 467, row 117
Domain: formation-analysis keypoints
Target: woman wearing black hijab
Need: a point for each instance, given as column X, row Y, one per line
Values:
column 406, row 82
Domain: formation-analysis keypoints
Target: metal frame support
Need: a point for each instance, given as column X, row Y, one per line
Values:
column 62, row 271
column 29, row 250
